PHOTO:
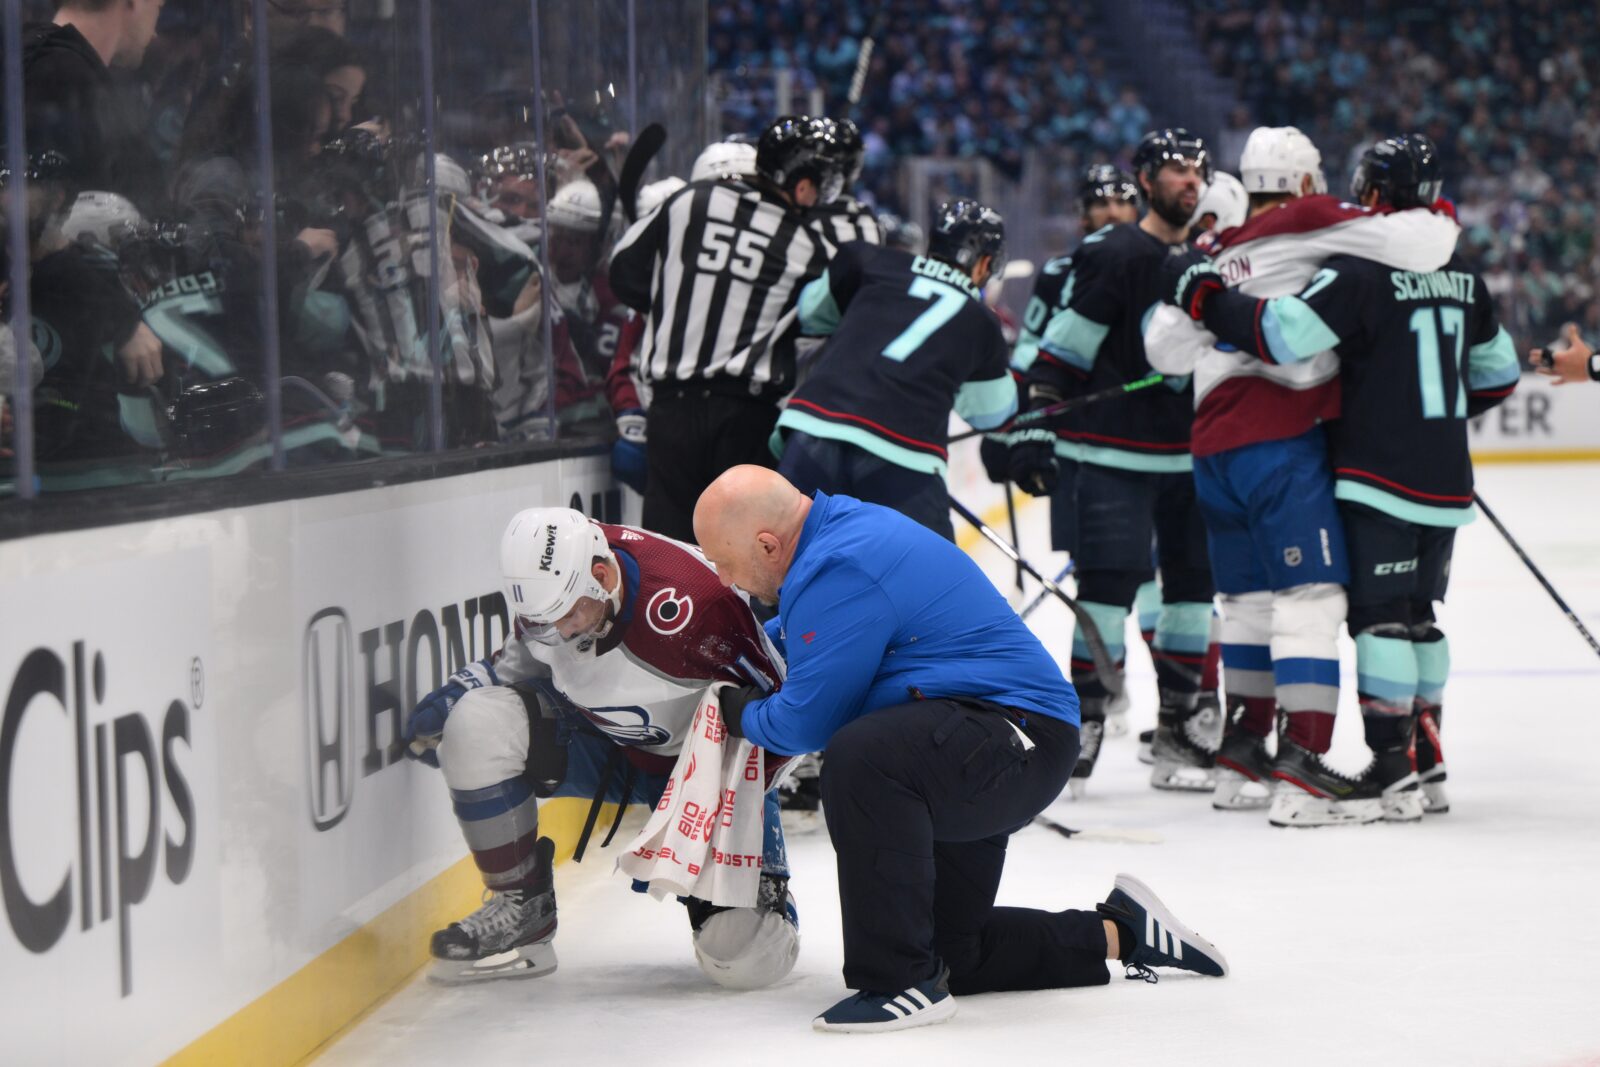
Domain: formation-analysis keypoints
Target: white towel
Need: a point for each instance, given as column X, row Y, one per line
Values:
column 704, row 838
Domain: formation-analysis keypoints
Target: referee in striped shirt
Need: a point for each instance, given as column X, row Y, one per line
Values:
column 717, row 270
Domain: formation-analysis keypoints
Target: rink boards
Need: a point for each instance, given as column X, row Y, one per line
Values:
column 211, row 845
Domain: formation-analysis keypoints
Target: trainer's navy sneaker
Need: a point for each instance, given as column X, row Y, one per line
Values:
column 923, row 1004
column 1160, row 940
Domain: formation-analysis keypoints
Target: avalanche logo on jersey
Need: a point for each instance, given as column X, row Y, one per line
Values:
column 667, row 612
column 630, row 726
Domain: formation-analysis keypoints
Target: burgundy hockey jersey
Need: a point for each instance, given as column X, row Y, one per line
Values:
column 680, row 629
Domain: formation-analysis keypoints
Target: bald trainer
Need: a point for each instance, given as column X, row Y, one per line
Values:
column 946, row 727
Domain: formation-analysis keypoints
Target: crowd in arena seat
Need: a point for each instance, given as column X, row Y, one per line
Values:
column 947, row 78
column 1501, row 87
column 149, row 265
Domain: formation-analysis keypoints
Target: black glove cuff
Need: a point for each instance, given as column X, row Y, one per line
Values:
column 733, row 704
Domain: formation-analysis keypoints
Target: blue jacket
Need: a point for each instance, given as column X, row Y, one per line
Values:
column 875, row 606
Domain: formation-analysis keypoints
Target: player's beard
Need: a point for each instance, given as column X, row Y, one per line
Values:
column 1171, row 210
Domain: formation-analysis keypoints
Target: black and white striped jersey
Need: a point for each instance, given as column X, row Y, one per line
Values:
column 846, row 219
column 717, row 270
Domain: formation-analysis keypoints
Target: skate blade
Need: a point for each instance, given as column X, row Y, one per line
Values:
column 1308, row 810
column 1434, row 799
column 1234, row 792
column 527, row 961
column 1403, row 807
column 1076, row 787
column 1117, row 725
column 1182, row 778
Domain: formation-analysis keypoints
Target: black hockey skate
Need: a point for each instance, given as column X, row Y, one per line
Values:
column 1158, row 938
column 1244, row 773
column 509, row 937
column 1185, row 744
column 1091, row 734
column 1308, row 792
column 1399, row 793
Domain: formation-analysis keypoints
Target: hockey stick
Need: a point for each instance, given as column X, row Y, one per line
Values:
column 858, row 79
column 1029, row 418
column 1548, row 588
column 1045, row 593
column 644, row 149
column 1016, row 538
column 1113, row 837
column 1104, row 668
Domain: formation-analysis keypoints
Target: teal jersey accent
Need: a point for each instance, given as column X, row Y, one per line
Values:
column 987, row 404
column 1493, row 364
column 1409, row 511
column 1294, row 333
column 819, row 312
column 866, row 440
column 1074, row 339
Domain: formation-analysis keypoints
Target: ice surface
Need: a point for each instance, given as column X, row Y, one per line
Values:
column 1469, row 939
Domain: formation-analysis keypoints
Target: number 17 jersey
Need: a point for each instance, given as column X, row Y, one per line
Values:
column 909, row 339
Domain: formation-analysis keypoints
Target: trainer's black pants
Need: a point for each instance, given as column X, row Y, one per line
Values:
column 920, row 799
column 694, row 435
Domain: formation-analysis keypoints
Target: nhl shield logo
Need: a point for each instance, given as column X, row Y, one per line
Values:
column 1291, row 555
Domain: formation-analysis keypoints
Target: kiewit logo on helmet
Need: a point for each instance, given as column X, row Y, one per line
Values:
column 549, row 548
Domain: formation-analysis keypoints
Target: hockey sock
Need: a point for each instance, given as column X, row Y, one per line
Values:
column 1252, row 715
column 1386, row 683
column 501, row 825
column 1305, row 660
column 1183, row 634
column 1433, row 665
column 1147, row 607
column 1432, row 649
column 1245, row 648
column 1111, row 620
column 1210, row 674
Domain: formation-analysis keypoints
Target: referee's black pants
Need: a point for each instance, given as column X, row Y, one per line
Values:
column 694, row 435
column 920, row 799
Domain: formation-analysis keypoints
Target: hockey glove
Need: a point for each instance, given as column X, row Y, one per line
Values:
column 996, row 456
column 425, row 726
column 1033, row 461
column 628, row 462
column 1189, row 280
column 733, row 701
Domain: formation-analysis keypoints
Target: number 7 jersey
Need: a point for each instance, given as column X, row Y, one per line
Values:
column 910, row 339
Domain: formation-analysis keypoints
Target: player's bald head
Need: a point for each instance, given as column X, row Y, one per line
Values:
column 748, row 522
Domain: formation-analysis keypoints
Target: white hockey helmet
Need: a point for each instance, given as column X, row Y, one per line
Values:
column 547, row 558
column 108, row 218
column 1225, row 198
column 1276, row 158
column 724, row 160
column 655, row 194
column 576, row 206
column 748, row 948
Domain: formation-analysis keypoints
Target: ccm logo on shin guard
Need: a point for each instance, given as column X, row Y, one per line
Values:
column 1405, row 566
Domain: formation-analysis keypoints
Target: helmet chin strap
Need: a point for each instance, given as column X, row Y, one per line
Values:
column 614, row 597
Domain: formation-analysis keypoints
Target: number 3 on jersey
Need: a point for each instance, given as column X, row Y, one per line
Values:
column 948, row 303
column 1428, row 324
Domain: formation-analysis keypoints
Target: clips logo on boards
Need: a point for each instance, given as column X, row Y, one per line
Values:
column 115, row 761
